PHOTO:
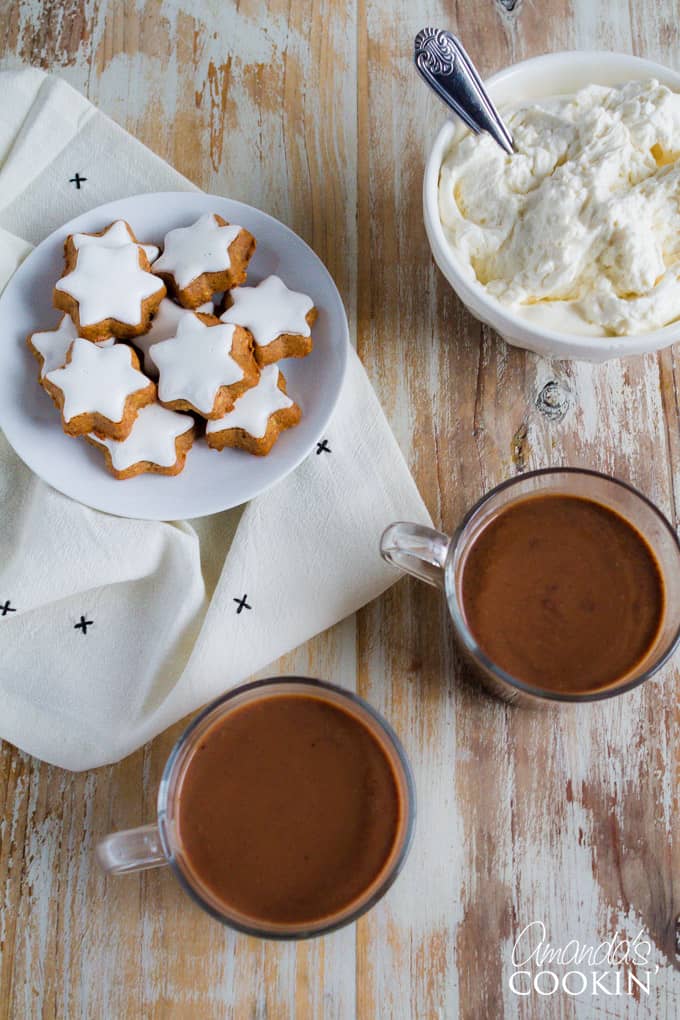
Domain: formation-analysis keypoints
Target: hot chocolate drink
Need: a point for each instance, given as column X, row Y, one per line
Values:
column 289, row 811
column 562, row 593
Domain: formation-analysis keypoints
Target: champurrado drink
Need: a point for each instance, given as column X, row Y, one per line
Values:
column 562, row 593
column 289, row 810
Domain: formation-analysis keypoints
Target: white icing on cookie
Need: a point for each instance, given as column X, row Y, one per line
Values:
column 195, row 363
column 108, row 283
column 269, row 310
column 53, row 344
column 188, row 252
column 163, row 326
column 98, row 379
column 115, row 236
column 255, row 407
column 152, row 438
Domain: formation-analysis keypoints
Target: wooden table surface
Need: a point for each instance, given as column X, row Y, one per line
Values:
column 568, row 816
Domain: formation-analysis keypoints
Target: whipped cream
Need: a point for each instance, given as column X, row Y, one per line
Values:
column 578, row 230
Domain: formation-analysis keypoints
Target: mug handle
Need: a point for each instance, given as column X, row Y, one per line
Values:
column 416, row 549
column 131, row 850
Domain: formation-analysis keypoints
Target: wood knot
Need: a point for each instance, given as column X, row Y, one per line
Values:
column 554, row 400
column 509, row 6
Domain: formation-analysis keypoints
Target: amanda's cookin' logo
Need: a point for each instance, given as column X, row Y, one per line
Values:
column 614, row 967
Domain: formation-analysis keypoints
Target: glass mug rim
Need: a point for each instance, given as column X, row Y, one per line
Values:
column 455, row 607
column 341, row 918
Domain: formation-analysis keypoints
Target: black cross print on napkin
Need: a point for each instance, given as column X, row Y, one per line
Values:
column 242, row 604
column 7, row 608
column 77, row 180
column 83, row 624
column 323, row 447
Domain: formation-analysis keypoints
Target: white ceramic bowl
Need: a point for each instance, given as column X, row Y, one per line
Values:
column 549, row 75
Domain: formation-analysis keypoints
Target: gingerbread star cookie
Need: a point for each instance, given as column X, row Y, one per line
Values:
column 108, row 290
column 50, row 347
column 99, row 389
column 115, row 235
column 279, row 319
column 163, row 326
column 158, row 444
column 205, row 367
column 258, row 417
column 209, row 256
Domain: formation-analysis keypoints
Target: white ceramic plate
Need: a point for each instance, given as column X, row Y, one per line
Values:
column 212, row 480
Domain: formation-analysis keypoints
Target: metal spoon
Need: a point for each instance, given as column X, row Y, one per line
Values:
column 446, row 67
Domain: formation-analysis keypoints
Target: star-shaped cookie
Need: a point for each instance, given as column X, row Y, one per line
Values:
column 99, row 389
column 279, row 319
column 210, row 255
column 205, row 366
column 163, row 326
column 158, row 443
column 108, row 291
column 258, row 417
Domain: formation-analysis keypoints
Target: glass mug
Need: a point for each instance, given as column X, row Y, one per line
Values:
column 159, row 844
column 439, row 560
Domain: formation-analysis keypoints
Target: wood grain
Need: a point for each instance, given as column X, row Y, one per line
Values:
column 312, row 112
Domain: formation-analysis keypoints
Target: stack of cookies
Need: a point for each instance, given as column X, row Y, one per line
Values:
column 157, row 349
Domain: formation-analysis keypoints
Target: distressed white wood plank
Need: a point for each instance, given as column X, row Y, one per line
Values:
column 566, row 817
column 251, row 114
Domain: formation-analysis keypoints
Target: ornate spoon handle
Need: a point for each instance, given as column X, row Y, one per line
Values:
column 442, row 61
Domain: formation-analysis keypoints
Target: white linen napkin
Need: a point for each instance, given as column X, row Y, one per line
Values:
column 112, row 629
